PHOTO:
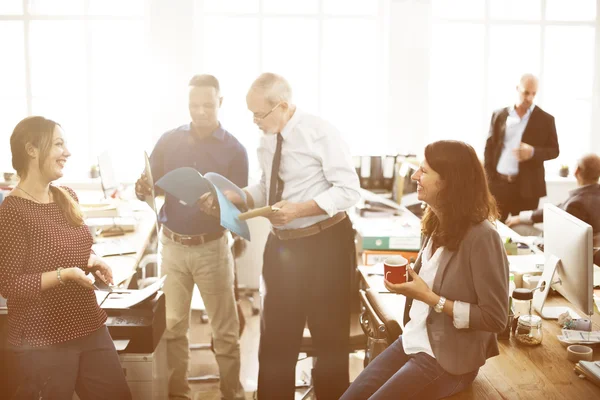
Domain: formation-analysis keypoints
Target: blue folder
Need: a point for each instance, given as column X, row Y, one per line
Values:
column 188, row 185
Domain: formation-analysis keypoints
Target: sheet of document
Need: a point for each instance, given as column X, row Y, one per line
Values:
column 150, row 200
column 125, row 299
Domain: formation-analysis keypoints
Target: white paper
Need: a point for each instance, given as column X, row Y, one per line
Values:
column 125, row 299
column 526, row 263
column 121, row 344
column 150, row 200
column 100, row 296
column 581, row 336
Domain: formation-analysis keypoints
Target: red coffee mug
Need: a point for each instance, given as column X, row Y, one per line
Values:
column 394, row 268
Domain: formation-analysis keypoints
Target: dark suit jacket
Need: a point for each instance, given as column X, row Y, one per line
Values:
column 583, row 203
column 476, row 273
column 539, row 133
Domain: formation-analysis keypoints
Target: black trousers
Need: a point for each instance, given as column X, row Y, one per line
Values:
column 88, row 365
column 509, row 198
column 307, row 280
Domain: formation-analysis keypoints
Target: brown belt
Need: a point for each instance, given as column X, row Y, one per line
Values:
column 191, row 240
column 507, row 178
column 288, row 234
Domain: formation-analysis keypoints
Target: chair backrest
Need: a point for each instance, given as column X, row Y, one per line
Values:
column 386, row 309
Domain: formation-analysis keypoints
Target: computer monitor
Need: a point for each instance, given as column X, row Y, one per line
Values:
column 568, row 249
column 107, row 174
column 404, row 184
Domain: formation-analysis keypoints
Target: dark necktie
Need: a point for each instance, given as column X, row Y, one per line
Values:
column 276, row 185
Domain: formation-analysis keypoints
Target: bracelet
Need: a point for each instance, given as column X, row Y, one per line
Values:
column 58, row 275
column 439, row 307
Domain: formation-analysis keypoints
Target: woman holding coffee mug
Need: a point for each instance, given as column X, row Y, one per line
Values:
column 457, row 293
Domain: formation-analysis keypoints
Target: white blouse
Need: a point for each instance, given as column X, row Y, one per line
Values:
column 415, row 338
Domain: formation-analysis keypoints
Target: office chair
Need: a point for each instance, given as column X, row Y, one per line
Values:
column 367, row 332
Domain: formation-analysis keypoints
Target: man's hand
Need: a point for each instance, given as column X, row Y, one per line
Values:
column 142, row 187
column 209, row 205
column 416, row 289
column 236, row 199
column 512, row 221
column 286, row 213
column 99, row 268
column 524, row 152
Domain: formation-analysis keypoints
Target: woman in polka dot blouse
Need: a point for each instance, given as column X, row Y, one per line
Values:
column 55, row 326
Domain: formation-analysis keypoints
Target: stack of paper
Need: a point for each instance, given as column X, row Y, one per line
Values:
column 99, row 210
column 579, row 337
column 589, row 369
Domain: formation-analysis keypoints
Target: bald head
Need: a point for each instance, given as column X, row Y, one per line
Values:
column 273, row 88
column 588, row 169
column 526, row 90
column 528, row 79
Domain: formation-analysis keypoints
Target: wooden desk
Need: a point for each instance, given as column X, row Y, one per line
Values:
column 519, row 372
column 124, row 266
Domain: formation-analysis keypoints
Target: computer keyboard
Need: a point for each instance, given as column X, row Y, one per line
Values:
column 114, row 247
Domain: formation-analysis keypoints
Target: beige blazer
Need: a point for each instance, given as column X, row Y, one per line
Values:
column 476, row 273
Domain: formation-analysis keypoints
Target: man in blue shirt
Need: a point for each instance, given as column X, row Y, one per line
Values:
column 193, row 246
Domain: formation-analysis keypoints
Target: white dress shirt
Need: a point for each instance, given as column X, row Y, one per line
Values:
column 315, row 165
column 515, row 127
column 415, row 338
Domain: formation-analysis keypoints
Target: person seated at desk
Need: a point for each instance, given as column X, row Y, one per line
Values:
column 457, row 298
column 55, row 326
column 583, row 202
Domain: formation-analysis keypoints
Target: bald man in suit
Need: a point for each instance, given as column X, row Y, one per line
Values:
column 521, row 138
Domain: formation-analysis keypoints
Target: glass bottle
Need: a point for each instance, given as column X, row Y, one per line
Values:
column 521, row 301
column 529, row 330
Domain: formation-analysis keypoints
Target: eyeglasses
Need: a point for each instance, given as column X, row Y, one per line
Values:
column 257, row 118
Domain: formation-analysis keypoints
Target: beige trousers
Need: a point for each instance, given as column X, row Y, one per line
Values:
column 210, row 266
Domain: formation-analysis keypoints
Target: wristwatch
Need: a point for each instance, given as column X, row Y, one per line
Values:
column 439, row 307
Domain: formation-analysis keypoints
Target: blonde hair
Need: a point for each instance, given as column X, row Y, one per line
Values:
column 275, row 87
column 39, row 131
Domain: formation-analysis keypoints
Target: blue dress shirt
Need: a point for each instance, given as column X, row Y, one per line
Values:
column 220, row 152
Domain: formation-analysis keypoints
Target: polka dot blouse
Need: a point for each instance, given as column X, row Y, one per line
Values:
column 36, row 238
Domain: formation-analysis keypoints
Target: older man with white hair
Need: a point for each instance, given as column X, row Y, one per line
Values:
column 309, row 258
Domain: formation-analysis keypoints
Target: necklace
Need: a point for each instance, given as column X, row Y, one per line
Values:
column 36, row 200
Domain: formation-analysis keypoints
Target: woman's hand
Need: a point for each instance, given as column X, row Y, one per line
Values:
column 416, row 289
column 98, row 267
column 77, row 275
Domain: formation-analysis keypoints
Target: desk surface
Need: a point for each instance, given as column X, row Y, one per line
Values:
column 124, row 266
column 519, row 371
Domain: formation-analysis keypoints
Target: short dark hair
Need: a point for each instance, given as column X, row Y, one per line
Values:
column 589, row 167
column 204, row 80
column 464, row 200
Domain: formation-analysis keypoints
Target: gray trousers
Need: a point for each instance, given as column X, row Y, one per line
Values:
column 88, row 365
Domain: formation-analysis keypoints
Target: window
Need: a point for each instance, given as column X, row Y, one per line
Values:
column 481, row 47
column 13, row 101
column 331, row 52
column 80, row 63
